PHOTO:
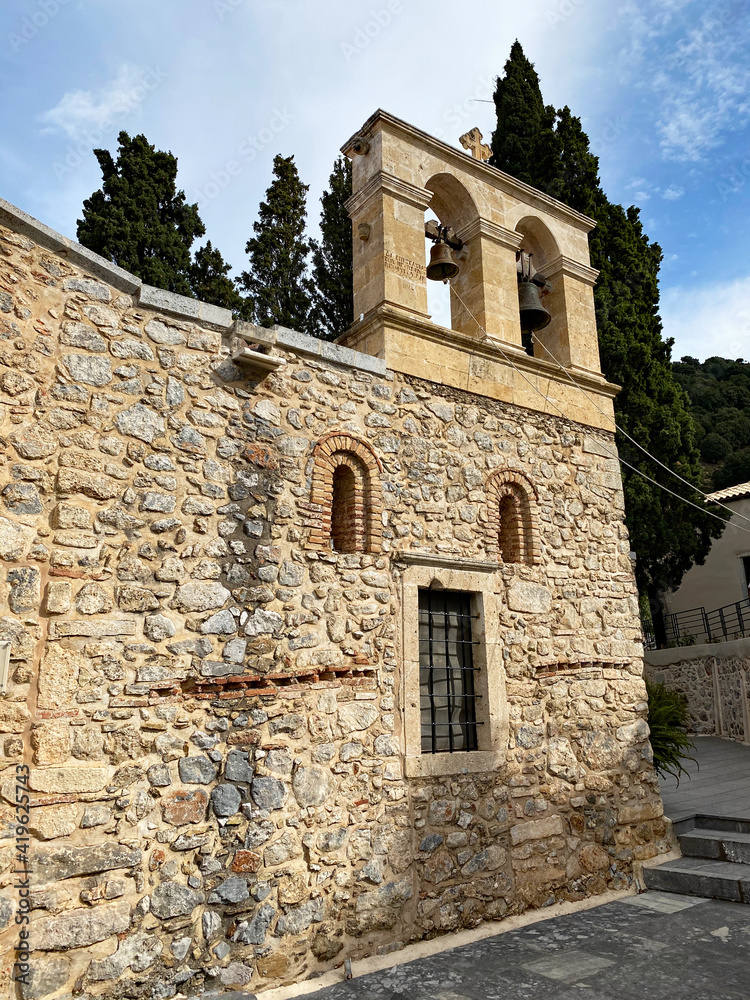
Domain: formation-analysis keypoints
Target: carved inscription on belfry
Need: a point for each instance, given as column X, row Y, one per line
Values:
column 405, row 267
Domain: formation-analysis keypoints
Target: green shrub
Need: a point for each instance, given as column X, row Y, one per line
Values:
column 668, row 718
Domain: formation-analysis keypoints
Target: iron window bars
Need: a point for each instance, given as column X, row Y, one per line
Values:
column 446, row 672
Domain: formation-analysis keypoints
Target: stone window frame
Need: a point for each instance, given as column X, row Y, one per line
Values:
column 478, row 579
column 330, row 452
column 517, row 486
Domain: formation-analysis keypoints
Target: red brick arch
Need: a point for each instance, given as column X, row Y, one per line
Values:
column 361, row 492
column 513, row 518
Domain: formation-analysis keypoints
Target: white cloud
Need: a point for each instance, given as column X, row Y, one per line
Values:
column 673, row 192
column 704, row 325
column 82, row 114
column 702, row 88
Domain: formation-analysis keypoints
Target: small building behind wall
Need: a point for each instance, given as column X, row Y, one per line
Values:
column 316, row 649
column 721, row 582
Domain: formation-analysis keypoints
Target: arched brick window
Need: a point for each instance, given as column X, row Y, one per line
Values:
column 346, row 497
column 513, row 518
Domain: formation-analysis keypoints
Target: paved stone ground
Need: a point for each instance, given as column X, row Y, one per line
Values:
column 719, row 783
column 656, row 945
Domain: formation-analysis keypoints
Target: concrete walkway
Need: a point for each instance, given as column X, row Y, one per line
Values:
column 719, row 783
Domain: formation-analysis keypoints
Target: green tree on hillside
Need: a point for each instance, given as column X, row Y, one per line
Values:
column 332, row 257
column 551, row 151
column 138, row 219
column 719, row 391
column 277, row 277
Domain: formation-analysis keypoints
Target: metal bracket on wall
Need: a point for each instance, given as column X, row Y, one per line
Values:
column 4, row 666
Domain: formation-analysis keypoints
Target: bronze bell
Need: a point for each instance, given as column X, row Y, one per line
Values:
column 533, row 314
column 442, row 266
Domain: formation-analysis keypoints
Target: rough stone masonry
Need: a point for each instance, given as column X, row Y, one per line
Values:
column 211, row 699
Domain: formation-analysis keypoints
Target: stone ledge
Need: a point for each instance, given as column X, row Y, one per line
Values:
column 303, row 343
column 185, row 307
column 87, row 260
column 446, row 561
column 733, row 650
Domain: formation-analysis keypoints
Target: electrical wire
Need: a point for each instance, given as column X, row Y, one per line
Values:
column 613, row 454
column 632, row 440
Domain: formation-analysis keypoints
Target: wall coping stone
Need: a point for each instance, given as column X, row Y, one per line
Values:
column 734, row 649
column 20, row 222
column 185, row 307
column 181, row 306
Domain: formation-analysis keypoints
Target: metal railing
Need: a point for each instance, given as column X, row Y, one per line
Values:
column 732, row 621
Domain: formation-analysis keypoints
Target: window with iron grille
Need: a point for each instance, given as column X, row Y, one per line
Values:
column 446, row 671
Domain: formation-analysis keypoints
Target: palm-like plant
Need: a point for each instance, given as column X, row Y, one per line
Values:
column 668, row 717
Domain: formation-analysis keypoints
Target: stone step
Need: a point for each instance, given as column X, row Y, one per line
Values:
column 697, row 877
column 718, row 845
column 701, row 822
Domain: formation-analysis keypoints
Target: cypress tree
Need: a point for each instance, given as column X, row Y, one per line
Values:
column 277, row 278
column 523, row 143
column 667, row 535
column 138, row 219
column 332, row 257
column 209, row 279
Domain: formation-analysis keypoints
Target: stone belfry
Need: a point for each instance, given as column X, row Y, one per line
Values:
column 399, row 173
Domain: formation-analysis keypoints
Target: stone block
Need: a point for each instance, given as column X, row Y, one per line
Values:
column 529, row 598
column 137, row 952
column 639, row 812
column 14, row 716
column 51, row 742
column 46, row 977
column 15, row 540
column 536, row 829
column 140, row 422
column 58, row 676
column 79, row 928
column 94, row 599
column 172, row 899
column 51, row 822
column 22, row 498
column 88, row 370
column 69, row 779
column 201, row 596
column 95, row 629
column 59, row 596
column 247, row 862
column 196, row 770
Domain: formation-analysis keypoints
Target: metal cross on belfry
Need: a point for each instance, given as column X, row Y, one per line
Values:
column 472, row 140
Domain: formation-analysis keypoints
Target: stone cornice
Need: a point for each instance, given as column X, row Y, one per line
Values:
column 390, row 184
column 570, row 268
column 492, row 231
column 501, row 353
column 382, row 120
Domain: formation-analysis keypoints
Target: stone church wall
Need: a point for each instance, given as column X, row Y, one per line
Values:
column 210, row 701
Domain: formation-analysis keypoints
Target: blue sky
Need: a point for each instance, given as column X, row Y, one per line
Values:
column 662, row 87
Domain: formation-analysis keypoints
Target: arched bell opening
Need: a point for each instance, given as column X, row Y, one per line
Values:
column 540, row 304
column 453, row 209
column 438, row 292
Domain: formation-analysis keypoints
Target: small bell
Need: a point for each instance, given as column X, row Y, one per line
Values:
column 533, row 314
column 442, row 266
